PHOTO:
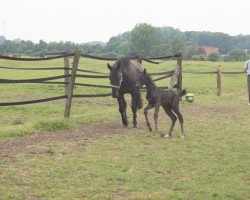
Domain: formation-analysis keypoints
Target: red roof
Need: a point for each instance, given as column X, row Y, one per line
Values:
column 208, row 50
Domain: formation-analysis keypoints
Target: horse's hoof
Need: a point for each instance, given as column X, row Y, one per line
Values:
column 150, row 129
column 134, row 126
column 125, row 123
column 167, row 136
column 183, row 137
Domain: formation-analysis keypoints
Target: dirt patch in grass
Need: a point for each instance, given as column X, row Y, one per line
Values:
column 198, row 111
column 10, row 148
column 13, row 147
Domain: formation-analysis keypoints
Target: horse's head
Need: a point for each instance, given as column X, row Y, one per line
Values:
column 115, row 77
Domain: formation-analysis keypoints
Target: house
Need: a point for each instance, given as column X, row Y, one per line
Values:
column 207, row 50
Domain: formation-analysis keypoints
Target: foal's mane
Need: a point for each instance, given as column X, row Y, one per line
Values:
column 149, row 79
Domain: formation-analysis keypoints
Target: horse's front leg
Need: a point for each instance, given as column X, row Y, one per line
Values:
column 146, row 115
column 122, row 109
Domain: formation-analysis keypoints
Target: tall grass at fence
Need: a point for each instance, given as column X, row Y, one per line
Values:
column 25, row 119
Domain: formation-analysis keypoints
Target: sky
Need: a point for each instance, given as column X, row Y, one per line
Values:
column 83, row 21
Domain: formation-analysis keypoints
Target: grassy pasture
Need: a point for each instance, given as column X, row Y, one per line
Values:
column 22, row 120
column 212, row 163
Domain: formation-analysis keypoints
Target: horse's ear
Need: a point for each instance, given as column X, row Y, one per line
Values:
column 109, row 66
column 144, row 71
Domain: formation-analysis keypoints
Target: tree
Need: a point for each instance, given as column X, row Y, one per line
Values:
column 176, row 45
column 237, row 55
column 119, row 44
column 143, row 38
column 189, row 51
column 2, row 39
column 166, row 34
column 146, row 39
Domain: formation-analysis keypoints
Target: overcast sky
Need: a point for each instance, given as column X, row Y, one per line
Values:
column 98, row 20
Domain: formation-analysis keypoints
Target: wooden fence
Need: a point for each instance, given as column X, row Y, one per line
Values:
column 219, row 73
column 70, row 74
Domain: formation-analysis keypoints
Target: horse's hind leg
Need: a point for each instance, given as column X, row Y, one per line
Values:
column 180, row 117
column 135, row 106
column 146, row 115
column 173, row 119
column 122, row 109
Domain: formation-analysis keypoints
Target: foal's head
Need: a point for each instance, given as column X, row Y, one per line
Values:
column 145, row 78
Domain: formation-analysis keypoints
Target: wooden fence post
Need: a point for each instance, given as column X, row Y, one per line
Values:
column 177, row 76
column 139, row 58
column 179, row 79
column 174, row 77
column 66, row 72
column 219, row 81
column 71, row 84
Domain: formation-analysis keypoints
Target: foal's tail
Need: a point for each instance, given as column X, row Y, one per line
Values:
column 182, row 93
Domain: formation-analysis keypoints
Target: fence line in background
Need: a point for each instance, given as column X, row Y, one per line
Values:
column 219, row 72
column 36, row 59
column 69, row 77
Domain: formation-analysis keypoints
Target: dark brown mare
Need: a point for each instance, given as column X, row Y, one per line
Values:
column 168, row 99
column 124, row 78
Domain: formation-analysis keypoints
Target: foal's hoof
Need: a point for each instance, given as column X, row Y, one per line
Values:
column 134, row 126
column 166, row 136
column 150, row 129
column 183, row 137
column 156, row 131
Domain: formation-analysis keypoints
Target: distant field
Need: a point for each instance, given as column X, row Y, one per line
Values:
column 27, row 119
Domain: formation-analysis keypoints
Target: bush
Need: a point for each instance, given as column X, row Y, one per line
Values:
column 237, row 55
column 213, row 57
column 201, row 57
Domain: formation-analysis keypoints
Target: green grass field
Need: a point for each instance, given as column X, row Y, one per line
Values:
column 211, row 163
column 22, row 120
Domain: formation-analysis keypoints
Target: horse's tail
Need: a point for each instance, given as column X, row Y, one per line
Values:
column 139, row 102
column 182, row 93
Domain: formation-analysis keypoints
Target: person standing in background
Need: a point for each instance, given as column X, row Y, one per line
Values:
column 247, row 71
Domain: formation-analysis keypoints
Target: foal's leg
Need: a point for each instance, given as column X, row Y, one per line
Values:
column 122, row 109
column 157, row 107
column 180, row 117
column 173, row 119
column 146, row 115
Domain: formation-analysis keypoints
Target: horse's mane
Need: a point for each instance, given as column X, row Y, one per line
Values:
column 122, row 61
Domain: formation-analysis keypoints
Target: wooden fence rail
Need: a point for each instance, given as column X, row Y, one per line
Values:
column 218, row 73
column 69, row 77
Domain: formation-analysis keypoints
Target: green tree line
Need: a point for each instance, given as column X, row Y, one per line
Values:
column 146, row 39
